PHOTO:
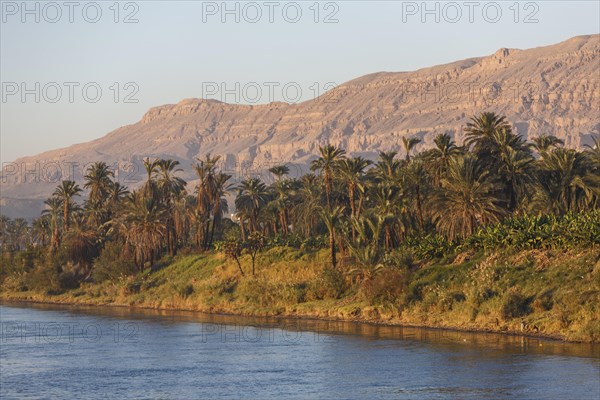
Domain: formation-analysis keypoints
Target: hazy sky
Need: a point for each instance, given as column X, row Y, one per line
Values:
column 52, row 69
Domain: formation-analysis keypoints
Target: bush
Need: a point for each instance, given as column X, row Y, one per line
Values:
column 544, row 301
column 186, row 291
column 388, row 287
column 540, row 232
column 515, row 304
column 111, row 265
column 330, row 284
column 44, row 277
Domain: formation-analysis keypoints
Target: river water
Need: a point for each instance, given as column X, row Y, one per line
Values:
column 67, row 352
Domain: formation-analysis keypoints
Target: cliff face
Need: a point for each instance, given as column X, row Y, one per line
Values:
column 547, row 90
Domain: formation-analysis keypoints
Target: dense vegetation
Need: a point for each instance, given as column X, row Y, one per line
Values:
column 385, row 226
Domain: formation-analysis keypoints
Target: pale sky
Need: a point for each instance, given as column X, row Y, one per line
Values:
column 169, row 51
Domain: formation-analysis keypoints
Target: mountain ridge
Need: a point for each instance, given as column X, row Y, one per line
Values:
column 551, row 89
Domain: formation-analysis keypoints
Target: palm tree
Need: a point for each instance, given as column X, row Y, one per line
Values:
column 310, row 198
column 98, row 180
column 252, row 195
column 386, row 199
column 65, row 192
column 366, row 248
column 387, row 167
column 567, row 182
column 480, row 131
column 331, row 218
column 330, row 157
column 415, row 183
column 543, row 144
column 53, row 211
column 440, row 156
column 351, row 171
column 409, row 144
column 170, row 188
column 205, row 197
column 219, row 203
column 279, row 171
column 115, row 194
column 593, row 153
column 283, row 194
column 41, row 230
column 151, row 168
column 468, row 197
column 517, row 174
column 143, row 227
column 82, row 243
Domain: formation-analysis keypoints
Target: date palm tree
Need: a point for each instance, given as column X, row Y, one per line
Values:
column 387, row 166
column 66, row 192
column 439, row 156
column 219, row 203
column 567, row 182
column 385, row 202
column 282, row 194
column 480, row 131
column 81, row 242
column 592, row 151
column 143, row 227
column 310, row 196
column 206, row 170
column 331, row 218
column 53, row 212
column 151, row 167
column 98, row 180
column 408, row 144
column 327, row 163
column 517, row 172
column 468, row 197
column 279, row 171
column 41, row 230
column 170, row 188
column 545, row 143
column 115, row 194
column 351, row 172
column 252, row 195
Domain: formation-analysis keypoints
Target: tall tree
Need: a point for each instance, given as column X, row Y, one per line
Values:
column 252, row 195
column 332, row 218
column 170, row 189
column 468, row 198
column 327, row 163
column 409, row 144
column 66, row 192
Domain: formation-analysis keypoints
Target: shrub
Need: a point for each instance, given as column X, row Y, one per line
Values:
column 388, row 287
column 515, row 304
column 330, row 284
column 186, row 291
column 544, row 301
column 540, row 231
column 111, row 264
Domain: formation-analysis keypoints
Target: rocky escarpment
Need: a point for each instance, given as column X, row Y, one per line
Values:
column 547, row 90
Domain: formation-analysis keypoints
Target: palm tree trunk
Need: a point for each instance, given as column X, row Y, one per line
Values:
column 332, row 249
column 419, row 207
column 388, row 237
column 212, row 232
column 243, row 229
column 327, row 179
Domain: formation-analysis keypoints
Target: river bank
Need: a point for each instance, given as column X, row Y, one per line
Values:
column 534, row 293
column 305, row 317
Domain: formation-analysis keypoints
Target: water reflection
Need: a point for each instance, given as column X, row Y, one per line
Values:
column 323, row 330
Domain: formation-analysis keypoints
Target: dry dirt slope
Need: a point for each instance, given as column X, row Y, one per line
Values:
column 546, row 90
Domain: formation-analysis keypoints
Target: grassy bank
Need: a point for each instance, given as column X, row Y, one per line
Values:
column 537, row 292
